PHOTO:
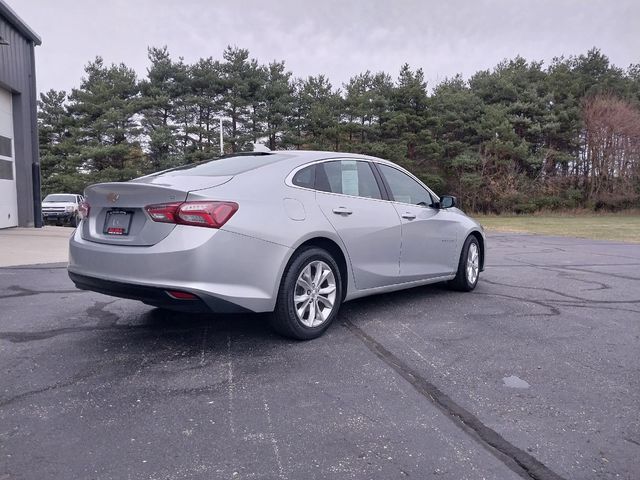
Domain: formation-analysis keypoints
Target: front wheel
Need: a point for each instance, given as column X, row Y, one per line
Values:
column 310, row 295
column 468, row 272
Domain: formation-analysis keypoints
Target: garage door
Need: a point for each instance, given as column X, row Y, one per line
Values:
column 8, row 193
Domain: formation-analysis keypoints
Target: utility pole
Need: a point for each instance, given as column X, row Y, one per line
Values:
column 221, row 140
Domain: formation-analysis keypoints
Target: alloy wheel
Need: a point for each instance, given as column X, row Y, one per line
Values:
column 314, row 296
column 473, row 263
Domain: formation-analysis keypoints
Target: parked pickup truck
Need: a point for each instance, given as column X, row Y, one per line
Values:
column 61, row 209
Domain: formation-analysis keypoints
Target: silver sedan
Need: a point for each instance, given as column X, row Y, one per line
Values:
column 295, row 233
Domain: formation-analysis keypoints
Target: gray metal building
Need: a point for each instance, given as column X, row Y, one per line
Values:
column 19, row 161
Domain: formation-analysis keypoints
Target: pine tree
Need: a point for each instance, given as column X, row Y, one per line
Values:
column 58, row 152
column 159, row 93
column 278, row 101
column 104, row 111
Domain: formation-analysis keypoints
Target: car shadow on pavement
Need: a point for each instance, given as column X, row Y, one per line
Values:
column 187, row 328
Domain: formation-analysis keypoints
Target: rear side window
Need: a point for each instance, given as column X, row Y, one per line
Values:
column 305, row 178
column 349, row 177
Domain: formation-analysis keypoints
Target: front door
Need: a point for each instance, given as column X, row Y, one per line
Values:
column 428, row 234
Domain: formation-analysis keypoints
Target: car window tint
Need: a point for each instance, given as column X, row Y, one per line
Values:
column 305, row 177
column 349, row 177
column 404, row 188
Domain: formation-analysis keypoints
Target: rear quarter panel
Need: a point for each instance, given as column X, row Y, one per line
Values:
column 275, row 212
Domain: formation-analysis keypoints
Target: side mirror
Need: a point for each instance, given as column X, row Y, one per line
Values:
column 447, row 201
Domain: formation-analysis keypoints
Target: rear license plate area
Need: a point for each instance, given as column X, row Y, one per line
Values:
column 117, row 223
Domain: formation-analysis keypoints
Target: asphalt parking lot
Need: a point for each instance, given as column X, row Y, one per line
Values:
column 536, row 374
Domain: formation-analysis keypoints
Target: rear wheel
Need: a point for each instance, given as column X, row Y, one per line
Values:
column 468, row 272
column 310, row 295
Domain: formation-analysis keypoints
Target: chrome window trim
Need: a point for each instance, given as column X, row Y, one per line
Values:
column 289, row 178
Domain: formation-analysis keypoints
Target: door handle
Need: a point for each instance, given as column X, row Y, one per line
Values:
column 342, row 211
column 408, row 216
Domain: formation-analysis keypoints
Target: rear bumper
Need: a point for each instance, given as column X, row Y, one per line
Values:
column 155, row 296
column 226, row 271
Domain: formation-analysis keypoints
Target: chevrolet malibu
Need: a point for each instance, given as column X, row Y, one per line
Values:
column 295, row 233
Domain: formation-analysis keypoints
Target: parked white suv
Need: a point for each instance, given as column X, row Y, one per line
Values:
column 61, row 209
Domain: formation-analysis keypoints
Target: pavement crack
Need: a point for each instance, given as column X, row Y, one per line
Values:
column 21, row 337
column 555, row 292
column 553, row 311
column 608, row 274
column 631, row 440
column 21, row 396
column 26, row 292
column 575, row 268
column 513, row 457
column 567, row 303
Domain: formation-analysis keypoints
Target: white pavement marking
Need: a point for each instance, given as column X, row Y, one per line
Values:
column 274, row 440
column 204, row 345
column 230, row 385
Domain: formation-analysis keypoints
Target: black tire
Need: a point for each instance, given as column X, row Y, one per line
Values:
column 284, row 319
column 461, row 281
column 75, row 221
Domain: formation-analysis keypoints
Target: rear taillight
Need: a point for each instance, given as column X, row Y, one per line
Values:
column 83, row 209
column 165, row 213
column 180, row 295
column 202, row 214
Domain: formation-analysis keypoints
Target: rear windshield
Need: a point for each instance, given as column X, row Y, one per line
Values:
column 59, row 198
column 226, row 165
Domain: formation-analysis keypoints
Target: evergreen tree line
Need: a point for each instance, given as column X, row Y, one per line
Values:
column 518, row 138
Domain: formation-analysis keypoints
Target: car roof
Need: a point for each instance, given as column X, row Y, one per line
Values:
column 312, row 155
column 296, row 158
column 231, row 165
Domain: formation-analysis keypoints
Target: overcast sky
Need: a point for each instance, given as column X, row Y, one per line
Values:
column 337, row 38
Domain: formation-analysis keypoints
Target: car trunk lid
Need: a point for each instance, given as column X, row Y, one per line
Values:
column 118, row 215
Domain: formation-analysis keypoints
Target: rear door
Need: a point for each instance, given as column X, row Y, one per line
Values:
column 428, row 233
column 351, row 199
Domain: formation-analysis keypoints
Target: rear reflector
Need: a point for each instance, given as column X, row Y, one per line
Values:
column 178, row 295
column 202, row 214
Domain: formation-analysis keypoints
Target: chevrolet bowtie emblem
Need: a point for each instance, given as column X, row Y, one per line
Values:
column 113, row 197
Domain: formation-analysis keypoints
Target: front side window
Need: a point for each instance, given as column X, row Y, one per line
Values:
column 404, row 188
column 349, row 177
